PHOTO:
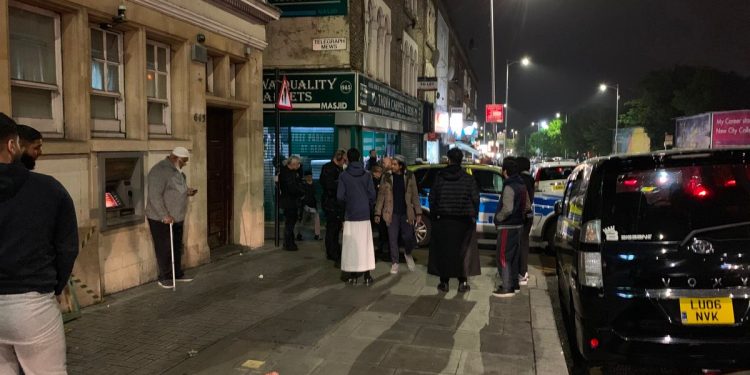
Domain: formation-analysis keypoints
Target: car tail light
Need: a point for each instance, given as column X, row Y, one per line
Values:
column 594, row 343
column 730, row 183
column 592, row 232
column 590, row 269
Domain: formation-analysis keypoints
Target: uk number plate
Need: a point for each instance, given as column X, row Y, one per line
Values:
column 706, row 311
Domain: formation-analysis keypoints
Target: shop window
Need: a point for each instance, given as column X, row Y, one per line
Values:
column 157, row 88
column 35, row 68
column 107, row 106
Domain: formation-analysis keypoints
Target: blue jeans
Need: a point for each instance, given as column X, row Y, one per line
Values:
column 508, row 255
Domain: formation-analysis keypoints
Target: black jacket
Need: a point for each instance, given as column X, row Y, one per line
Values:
column 454, row 193
column 39, row 232
column 371, row 162
column 329, row 180
column 310, row 199
column 291, row 188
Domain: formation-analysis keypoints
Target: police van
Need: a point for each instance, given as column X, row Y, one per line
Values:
column 489, row 180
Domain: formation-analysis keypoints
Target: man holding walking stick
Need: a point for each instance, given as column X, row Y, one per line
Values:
column 166, row 207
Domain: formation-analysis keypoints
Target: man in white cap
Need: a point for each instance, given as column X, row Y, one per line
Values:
column 167, row 204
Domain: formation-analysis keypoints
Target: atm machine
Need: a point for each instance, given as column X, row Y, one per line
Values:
column 121, row 179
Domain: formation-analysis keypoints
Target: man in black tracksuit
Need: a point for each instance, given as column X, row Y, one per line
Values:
column 334, row 210
column 39, row 246
column 524, row 165
column 509, row 218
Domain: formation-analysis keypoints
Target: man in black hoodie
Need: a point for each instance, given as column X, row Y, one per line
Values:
column 524, row 164
column 292, row 192
column 509, row 218
column 39, row 245
column 334, row 210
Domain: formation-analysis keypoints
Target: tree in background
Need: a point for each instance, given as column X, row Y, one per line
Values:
column 683, row 91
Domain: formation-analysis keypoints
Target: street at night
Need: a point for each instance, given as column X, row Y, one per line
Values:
column 402, row 187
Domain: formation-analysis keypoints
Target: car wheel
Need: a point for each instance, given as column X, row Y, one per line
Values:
column 549, row 236
column 423, row 231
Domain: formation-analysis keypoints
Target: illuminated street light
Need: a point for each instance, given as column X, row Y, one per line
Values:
column 557, row 115
column 603, row 88
column 525, row 61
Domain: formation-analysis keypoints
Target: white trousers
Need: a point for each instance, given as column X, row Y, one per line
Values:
column 358, row 252
column 31, row 334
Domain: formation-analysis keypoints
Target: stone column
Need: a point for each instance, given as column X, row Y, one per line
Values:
column 76, row 73
column 134, row 59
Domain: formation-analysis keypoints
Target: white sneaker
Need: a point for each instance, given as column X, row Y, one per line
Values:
column 410, row 262
column 523, row 279
column 184, row 279
column 394, row 268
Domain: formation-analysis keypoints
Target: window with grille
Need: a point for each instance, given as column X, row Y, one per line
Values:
column 36, row 68
column 107, row 105
column 157, row 88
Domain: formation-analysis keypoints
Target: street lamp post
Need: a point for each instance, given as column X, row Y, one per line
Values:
column 492, row 52
column 525, row 62
column 603, row 87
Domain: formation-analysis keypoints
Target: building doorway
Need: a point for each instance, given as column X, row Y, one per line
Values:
column 220, row 175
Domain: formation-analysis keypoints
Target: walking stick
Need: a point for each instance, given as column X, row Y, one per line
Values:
column 171, row 244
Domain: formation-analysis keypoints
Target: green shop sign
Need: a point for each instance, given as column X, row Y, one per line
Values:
column 314, row 91
column 378, row 99
column 311, row 8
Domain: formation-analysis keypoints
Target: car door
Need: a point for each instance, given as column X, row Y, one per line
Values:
column 569, row 226
column 490, row 184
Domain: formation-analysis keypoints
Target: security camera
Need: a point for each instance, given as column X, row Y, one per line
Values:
column 120, row 17
column 200, row 38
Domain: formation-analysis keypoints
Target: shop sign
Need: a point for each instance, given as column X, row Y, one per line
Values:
column 731, row 129
column 329, row 44
column 427, row 83
column 494, row 113
column 313, row 92
column 378, row 99
column 311, row 8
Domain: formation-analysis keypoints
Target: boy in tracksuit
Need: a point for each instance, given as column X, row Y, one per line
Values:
column 509, row 218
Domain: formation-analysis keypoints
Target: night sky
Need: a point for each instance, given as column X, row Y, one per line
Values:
column 576, row 44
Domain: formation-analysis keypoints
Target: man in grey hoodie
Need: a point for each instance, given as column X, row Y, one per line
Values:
column 167, row 204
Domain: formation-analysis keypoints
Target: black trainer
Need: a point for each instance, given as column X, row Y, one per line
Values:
column 443, row 287
column 463, row 287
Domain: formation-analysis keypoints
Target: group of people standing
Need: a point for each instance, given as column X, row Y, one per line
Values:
column 383, row 195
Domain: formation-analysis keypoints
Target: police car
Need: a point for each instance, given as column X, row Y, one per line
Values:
column 545, row 219
column 490, row 183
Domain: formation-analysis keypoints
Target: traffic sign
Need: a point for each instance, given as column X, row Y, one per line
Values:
column 494, row 113
column 285, row 96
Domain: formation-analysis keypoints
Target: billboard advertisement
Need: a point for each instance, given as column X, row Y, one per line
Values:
column 731, row 129
column 693, row 132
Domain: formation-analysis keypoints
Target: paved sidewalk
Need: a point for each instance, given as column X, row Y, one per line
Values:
column 300, row 319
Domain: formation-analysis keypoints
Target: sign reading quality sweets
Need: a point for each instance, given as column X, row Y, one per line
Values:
column 314, row 91
column 378, row 99
column 311, row 8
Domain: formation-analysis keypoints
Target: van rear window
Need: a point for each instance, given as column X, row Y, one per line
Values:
column 667, row 204
column 554, row 173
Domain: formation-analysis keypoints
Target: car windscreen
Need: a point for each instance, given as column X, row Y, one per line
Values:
column 669, row 203
column 555, row 173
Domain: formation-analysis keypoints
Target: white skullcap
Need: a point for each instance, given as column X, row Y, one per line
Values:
column 181, row 152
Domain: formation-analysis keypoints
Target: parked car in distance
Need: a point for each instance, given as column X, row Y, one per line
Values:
column 490, row 183
column 653, row 259
column 550, row 177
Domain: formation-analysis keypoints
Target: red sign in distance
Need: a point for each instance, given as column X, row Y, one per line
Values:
column 494, row 113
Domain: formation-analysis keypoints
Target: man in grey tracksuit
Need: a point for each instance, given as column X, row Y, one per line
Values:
column 167, row 204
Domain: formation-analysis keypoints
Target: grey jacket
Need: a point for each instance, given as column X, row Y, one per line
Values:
column 167, row 192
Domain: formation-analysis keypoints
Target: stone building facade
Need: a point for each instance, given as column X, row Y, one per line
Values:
column 373, row 53
column 114, row 85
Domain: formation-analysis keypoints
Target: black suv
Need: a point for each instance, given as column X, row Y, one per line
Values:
column 653, row 258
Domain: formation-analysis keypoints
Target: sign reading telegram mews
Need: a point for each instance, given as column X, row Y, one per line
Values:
column 329, row 44
column 314, row 92
column 378, row 99
column 311, row 8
